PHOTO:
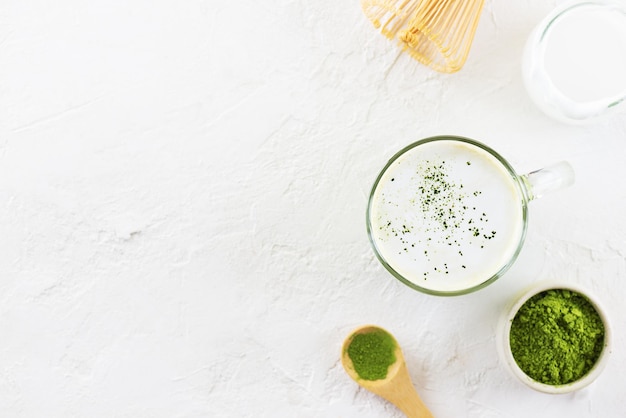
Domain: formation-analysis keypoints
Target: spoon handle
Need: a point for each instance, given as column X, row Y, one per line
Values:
column 403, row 395
column 413, row 407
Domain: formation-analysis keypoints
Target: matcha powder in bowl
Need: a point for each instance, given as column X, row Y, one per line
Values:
column 557, row 339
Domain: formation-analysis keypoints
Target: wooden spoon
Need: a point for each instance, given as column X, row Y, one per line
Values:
column 396, row 387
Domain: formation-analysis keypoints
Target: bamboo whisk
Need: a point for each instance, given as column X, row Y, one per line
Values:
column 438, row 33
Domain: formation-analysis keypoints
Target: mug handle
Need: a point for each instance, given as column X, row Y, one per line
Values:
column 548, row 179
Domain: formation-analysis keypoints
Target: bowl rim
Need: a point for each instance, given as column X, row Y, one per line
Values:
column 505, row 347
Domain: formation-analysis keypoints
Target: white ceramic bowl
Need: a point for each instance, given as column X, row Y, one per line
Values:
column 505, row 347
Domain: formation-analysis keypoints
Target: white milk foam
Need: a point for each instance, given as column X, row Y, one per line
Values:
column 447, row 215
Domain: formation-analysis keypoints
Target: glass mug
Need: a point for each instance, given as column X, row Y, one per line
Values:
column 447, row 215
column 574, row 61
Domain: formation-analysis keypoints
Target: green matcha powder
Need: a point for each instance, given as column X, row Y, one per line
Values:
column 372, row 353
column 556, row 337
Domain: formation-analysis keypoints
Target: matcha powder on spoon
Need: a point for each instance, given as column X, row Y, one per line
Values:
column 372, row 353
column 557, row 336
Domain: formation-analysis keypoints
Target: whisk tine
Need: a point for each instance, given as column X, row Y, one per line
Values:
column 438, row 33
column 460, row 38
column 388, row 11
column 457, row 38
column 438, row 13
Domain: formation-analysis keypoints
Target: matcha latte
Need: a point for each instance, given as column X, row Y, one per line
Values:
column 447, row 215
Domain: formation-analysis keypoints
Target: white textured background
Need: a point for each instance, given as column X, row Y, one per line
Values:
column 182, row 201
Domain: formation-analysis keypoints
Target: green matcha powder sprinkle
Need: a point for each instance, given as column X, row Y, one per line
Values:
column 372, row 353
column 556, row 337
